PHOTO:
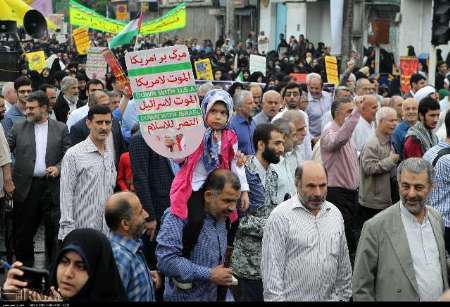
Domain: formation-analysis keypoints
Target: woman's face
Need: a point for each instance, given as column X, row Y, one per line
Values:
column 71, row 274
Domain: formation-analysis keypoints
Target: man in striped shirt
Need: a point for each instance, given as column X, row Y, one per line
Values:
column 88, row 177
column 440, row 194
column 304, row 249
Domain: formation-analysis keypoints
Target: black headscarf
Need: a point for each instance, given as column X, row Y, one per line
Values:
column 104, row 283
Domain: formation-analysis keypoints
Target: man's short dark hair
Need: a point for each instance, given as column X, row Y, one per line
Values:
column 263, row 133
column 290, row 86
column 218, row 178
column 40, row 97
column 122, row 210
column 428, row 104
column 21, row 81
column 98, row 109
column 338, row 103
column 94, row 81
column 416, row 78
column 45, row 86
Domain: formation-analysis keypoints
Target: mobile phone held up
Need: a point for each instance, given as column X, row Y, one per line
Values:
column 37, row 279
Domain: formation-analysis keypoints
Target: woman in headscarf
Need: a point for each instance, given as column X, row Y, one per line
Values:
column 84, row 270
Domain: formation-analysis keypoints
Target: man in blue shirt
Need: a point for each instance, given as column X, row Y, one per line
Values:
column 196, row 277
column 16, row 112
column 440, row 194
column 126, row 219
column 410, row 117
column 242, row 122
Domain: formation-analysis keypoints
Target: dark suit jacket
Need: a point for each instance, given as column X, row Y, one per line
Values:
column 79, row 132
column 22, row 142
column 152, row 177
column 62, row 108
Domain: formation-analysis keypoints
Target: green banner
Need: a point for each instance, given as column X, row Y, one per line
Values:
column 159, row 69
column 165, row 92
column 169, row 115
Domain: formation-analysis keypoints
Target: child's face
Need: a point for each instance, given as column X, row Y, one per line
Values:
column 217, row 116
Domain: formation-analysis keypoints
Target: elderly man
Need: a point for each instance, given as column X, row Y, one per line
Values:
column 304, row 250
column 396, row 102
column 10, row 95
column 126, row 219
column 271, row 104
column 377, row 165
column 67, row 100
column 366, row 124
column 319, row 103
column 421, row 137
column 410, row 115
column 340, row 159
column 242, row 122
column 195, row 274
column 257, row 93
column 269, row 143
column 401, row 253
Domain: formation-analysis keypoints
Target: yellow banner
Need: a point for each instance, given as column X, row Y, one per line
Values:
column 203, row 69
column 122, row 11
column 84, row 17
column 36, row 60
column 331, row 68
column 81, row 38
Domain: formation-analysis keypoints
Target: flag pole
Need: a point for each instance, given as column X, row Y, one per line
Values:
column 141, row 16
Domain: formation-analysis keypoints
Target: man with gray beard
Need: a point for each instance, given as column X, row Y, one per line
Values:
column 401, row 253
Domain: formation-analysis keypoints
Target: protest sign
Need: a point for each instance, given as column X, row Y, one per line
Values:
column 257, row 63
column 95, row 63
column 168, row 107
column 298, row 78
column 85, row 17
column 331, row 68
column 408, row 67
column 117, row 71
column 203, row 69
column 36, row 60
column 81, row 38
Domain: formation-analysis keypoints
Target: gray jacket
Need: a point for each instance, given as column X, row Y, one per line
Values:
column 384, row 269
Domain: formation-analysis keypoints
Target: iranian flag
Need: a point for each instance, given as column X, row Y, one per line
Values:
column 128, row 33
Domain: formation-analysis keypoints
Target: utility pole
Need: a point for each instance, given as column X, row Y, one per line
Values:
column 229, row 21
column 347, row 29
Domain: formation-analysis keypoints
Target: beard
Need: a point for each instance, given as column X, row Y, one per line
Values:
column 416, row 206
column 270, row 156
column 312, row 202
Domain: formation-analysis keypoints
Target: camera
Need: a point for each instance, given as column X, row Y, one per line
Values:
column 37, row 279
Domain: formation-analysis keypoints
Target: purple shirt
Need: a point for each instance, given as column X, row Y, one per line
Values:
column 339, row 155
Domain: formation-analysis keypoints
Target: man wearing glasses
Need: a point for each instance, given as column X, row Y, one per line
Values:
column 16, row 113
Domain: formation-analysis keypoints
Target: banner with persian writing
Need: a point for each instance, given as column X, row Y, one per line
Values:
column 408, row 67
column 169, row 111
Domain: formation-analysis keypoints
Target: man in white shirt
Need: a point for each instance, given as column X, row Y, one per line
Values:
column 366, row 124
column 304, row 250
column 78, row 114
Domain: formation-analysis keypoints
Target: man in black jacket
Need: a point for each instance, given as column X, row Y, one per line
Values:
column 68, row 99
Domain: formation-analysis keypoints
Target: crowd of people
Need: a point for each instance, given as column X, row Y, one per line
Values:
column 298, row 192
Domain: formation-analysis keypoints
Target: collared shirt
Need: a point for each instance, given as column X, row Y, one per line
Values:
column 261, row 118
column 244, row 130
column 88, row 178
column 339, row 155
column 51, row 115
column 206, row 254
column 362, row 132
column 13, row 115
column 440, row 194
column 77, row 115
column 316, row 109
column 8, row 105
column 285, row 170
column 425, row 255
column 40, row 135
column 305, row 257
column 133, row 269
